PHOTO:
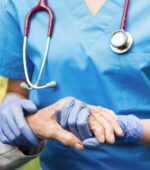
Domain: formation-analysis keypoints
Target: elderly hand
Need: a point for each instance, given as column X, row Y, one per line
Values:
column 87, row 122
column 45, row 126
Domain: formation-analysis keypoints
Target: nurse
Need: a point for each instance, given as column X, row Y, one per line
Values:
column 87, row 69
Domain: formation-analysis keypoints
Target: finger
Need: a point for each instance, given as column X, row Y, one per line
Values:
column 110, row 112
column 7, row 132
column 65, row 112
column 3, row 138
column 91, row 143
column 20, row 138
column 28, row 106
column 108, row 115
column 109, row 132
column 72, row 119
column 97, row 130
column 67, row 138
column 82, row 123
column 5, row 127
column 23, row 126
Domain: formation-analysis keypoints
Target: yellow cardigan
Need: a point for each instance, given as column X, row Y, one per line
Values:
column 3, row 86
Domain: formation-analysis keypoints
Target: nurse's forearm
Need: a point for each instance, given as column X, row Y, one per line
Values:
column 14, row 87
column 146, row 125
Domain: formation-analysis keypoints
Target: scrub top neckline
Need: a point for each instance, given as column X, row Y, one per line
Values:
column 92, row 27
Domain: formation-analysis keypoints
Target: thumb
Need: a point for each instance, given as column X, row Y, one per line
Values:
column 28, row 106
column 91, row 143
column 67, row 138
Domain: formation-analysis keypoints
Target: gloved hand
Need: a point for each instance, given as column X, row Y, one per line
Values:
column 132, row 128
column 74, row 118
column 14, row 129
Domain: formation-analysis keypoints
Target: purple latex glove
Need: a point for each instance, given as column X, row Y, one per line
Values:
column 74, row 118
column 14, row 129
column 132, row 128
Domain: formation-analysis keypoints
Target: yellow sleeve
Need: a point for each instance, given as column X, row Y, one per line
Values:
column 3, row 86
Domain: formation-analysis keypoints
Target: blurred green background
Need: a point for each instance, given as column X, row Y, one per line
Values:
column 34, row 164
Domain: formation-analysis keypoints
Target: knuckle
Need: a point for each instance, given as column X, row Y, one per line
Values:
column 3, row 113
column 2, row 116
column 101, row 130
column 112, row 123
column 93, row 128
column 4, row 140
column 81, row 123
column 115, row 124
column 93, row 124
column 18, row 134
column 66, row 142
column 71, row 122
column 22, row 128
column 109, row 130
column 13, row 138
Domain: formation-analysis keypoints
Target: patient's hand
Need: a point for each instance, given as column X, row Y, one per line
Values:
column 107, row 122
column 45, row 126
column 79, row 122
column 87, row 122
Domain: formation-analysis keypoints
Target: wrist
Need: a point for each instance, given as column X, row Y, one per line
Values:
column 14, row 95
column 132, row 128
column 37, row 122
column 11, row 97
column 31, row 121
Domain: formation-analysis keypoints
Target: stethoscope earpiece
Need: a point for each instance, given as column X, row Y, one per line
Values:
column 24, row 85
column 51, row 84
column 121, row 42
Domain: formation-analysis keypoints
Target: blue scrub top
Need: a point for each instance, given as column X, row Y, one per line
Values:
column 82, row 63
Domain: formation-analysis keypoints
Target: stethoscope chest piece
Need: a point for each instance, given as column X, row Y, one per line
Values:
column 121, row 41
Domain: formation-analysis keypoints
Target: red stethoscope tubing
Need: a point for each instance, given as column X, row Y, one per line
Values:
column 124, row 16
column 42, row 6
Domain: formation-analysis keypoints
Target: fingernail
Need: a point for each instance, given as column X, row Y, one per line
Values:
column 112, row 138
column 120, row 131
column 79, row 146
column 102, row 139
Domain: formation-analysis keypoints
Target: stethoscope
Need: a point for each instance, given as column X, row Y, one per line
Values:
column 120, row 42
column 42, row 6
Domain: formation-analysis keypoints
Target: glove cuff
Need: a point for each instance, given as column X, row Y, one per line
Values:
column 132, row 128
column 10, row 98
